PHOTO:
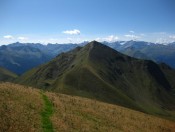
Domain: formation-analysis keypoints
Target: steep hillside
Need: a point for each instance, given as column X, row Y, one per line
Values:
column 170, row 74
column 6, row 75
column 99, row 72
column 26, row 109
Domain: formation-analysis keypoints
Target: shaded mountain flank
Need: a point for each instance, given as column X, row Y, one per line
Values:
column 6, row 75
column 99, row 72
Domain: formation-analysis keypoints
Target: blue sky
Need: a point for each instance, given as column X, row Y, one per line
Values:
column 63, row 21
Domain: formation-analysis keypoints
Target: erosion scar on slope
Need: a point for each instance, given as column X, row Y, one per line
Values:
column 46, row 114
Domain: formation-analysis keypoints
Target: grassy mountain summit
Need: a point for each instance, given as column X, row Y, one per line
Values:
column 99, row 72
column 6, row 75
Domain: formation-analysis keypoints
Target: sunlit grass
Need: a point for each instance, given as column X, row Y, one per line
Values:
column 81, row 114
column 24, row 109
column 20, row 108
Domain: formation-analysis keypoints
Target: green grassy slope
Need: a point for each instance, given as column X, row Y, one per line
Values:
column 6, row 75
column 99, row 72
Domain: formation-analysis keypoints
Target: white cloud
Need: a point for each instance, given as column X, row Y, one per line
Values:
column 162, row 41
column 70, row 40
column 128, row 36
column 53, row 39
column 98, row 39
column 8, row 37
column 142, row 34
column 172, row 36
column 162, row 33
column 22, row 38
column 111, row 38
column 132, row 36
column 72, row 32
column 131, row 31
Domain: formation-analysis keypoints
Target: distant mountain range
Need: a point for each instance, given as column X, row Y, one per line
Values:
column 99, row 72
column 21, row 57
column 145, row 50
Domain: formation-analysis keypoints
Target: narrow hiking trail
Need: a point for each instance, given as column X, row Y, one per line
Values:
column 46, row 114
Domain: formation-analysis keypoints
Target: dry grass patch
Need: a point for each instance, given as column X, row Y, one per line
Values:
column 80, row 114
column 20, row 108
